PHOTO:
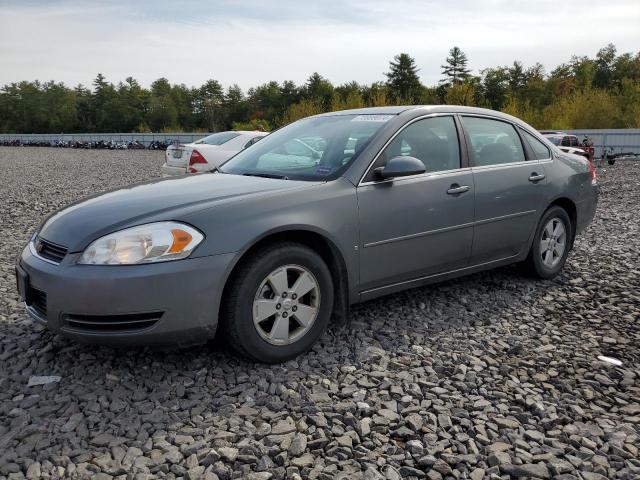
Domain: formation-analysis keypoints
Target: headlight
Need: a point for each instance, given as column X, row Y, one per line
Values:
column 150, row 243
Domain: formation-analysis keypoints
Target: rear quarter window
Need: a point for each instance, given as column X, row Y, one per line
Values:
column 219, row 138
column 539, row 149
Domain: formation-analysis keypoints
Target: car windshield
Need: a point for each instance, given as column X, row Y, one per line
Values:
column 316, row 148
column 555, row 139
column 219, row 138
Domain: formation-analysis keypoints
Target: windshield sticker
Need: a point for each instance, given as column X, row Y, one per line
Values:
column 324, row 170
column 372, row 118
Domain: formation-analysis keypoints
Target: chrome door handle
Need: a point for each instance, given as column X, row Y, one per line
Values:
column 455, row 189
column 536, row 177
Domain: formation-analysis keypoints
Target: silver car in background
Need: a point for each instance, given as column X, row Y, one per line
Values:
column 208, row 153
column 326, row 212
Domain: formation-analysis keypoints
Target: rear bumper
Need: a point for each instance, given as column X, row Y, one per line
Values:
column 168, row 170
column 586, row 209
column 171, row 303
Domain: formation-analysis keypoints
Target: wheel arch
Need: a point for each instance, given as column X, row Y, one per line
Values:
column 311, row 238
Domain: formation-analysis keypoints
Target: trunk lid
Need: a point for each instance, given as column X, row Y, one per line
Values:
column 178, row 155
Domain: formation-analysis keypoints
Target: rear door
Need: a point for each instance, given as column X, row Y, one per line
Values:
column 509, row 189
column 420, row 225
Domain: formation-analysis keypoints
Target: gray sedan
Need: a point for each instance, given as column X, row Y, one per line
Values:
column 329, row 211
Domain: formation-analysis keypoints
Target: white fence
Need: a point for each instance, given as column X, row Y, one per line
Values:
column 614, row 140
column 144, row 138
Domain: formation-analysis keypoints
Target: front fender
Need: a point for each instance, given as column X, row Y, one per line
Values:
column 326, row 209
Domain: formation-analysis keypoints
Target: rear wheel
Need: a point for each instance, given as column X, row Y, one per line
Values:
column 278, row 303
column 551, row 244
column 611, row 162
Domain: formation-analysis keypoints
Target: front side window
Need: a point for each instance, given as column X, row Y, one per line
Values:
column 315, row 148
column 434, row 141
column 540, row 150
column 493, row 142
column 219, row 138
column 574, row 142
column 566, row 141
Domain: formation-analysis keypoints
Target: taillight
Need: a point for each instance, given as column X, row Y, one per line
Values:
column 592, row 170
column 196, row 157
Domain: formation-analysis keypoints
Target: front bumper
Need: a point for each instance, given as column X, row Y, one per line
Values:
column 170, row 303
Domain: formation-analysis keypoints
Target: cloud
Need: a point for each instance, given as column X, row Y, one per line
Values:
column 251, row 42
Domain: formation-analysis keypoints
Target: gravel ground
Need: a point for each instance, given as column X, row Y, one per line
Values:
column 490, row 376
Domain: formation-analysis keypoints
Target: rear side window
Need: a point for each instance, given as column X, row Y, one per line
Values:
column 219, row 138
column 540, row 150
column 252, row 141
column 434, row 141
column 574, row 142
column 492, row 142
column 566, row 141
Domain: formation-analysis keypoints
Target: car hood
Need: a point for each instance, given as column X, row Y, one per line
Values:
column 77, row 225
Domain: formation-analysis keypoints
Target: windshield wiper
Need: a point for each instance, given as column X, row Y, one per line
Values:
column 265, row 175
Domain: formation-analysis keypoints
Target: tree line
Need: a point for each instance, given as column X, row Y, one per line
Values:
column 599, row 92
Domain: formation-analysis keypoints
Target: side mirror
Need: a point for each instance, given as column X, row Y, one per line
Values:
column 402, row 166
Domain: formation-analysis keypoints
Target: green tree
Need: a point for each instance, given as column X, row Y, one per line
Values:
column 319, row 90
column 494, row 86
column 584, row 71
column 461, row 94
column 163, row 114
column 517, row 77
column 207, row 105
column 598, row 92
column 304, row 108
column 403, row 83
column 604, row 62
column 455, row 68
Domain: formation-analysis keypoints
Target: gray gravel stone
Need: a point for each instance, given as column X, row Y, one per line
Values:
column 486, row 377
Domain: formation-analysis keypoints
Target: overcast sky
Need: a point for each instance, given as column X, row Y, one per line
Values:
column 251, row 42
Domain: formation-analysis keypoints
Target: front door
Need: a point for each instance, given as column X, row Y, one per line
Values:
column 508, row 189
column 420, row 225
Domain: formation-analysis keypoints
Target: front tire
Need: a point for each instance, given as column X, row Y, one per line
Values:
column 278, row 304
column 551, row 244
column 611, row 162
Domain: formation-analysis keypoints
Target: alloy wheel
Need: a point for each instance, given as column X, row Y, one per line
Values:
column 286, row 304
column 553, row 242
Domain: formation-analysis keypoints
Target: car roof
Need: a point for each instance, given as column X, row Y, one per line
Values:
column 556, row 134
column 392, row 110
column 397, row 110
column 250, row 132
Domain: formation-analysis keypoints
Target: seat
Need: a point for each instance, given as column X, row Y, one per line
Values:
column 494, row 153
column 434, row 153
column 360, row 144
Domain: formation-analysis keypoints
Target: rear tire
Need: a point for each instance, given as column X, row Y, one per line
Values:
column 551, row 244
column 265, row 285
column 611, row 162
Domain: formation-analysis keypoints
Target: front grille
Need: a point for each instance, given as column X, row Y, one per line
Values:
column 112, row 323
column 49, row 250
column 37, row 299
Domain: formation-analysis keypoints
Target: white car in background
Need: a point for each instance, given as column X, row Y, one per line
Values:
column 207, row 153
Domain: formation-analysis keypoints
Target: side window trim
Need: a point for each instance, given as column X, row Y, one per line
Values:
column 465, row 160
column 469, row 146
column 365, row 180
